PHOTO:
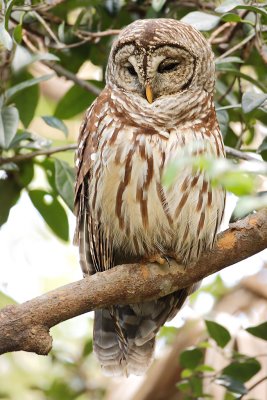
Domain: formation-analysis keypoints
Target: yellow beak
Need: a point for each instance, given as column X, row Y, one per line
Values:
column 149, row 94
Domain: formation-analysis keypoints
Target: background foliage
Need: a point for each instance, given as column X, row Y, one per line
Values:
column 42, row 40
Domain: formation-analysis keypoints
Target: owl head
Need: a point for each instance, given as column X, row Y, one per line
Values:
column 155, row 58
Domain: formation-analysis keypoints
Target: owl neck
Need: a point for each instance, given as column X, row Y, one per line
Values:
column 184, row 109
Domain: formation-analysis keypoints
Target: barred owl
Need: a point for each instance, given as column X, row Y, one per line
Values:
column 157, row 107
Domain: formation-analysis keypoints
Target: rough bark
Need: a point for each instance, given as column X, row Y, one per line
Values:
column 26, row 326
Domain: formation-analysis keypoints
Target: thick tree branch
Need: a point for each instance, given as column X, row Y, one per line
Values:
column 26, row 326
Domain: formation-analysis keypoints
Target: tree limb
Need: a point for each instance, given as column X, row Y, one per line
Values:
column 26, row 326
column 44, row 152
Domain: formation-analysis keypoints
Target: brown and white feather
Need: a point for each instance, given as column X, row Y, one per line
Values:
column 123, row 210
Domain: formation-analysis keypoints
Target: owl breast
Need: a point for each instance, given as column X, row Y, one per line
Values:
column 142, row 216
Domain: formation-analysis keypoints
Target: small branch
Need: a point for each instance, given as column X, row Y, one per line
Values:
column 108, row 32
column 60, row 71
column 230, row 151
column 236, row 47
column 46, row 152
column 26, row 326
column 253, row 386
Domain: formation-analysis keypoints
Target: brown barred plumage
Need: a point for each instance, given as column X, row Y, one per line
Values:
column 126, row 142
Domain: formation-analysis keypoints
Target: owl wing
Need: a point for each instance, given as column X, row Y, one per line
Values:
column 88, row 233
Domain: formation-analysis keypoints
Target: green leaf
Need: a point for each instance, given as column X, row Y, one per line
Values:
column 10, row 192
column 9, row 122
column 238, row 182
column 56, row 123
column 228, row 5
column 201, row 21
column 26, row 100
column 17, row 34
column 205, row 368
column 88, row 347
column 191, row 358
column 26, row 173
column 75, row 101
column 231, row 17
column 252, row 100
column 64, row 180
column 259, row 331
column 5, row 300
column 217, row 332
column 183, row 385
column 5, row 38
column 24, row 85
column 231, row 384
column 223, row 120
column 242, row 370
column 52, row 212
column 262, row 149
column 257, row 10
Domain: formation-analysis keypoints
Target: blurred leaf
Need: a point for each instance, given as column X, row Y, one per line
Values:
column 17, row 34
column 23, row 85
column 242, row 370
column 64, row 180
column 5, row 38
column 231, row 18
column 158, row 4
column 197, row 386
column 5, row 300
column 10, row 192
column 259, row 331
column 52, row 212
column 26, row 173
column 48, row 165
column 217, row 332
column 205, row 368
column 228, row 5
column 9, row 121
column 56, row 123
column 252, row 100
column 183, row 385
column 26, row 100
column 231, row 384
column 88, row 347
column 201, row 21
column 262, row 150
column 257, row 10
column 75, row 101
column 223, row 120
column 191, row 358
column 237, row 182
column 247, row 204
column 169, row 333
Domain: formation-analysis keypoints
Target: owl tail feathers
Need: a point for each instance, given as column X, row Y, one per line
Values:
column 116, row 357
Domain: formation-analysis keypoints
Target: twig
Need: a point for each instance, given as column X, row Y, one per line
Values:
column 108, row 32
column 253, row 386
column 26, row 326
column 47, row 152
column 61, row 71
column 236, row 47
column 28, row 156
